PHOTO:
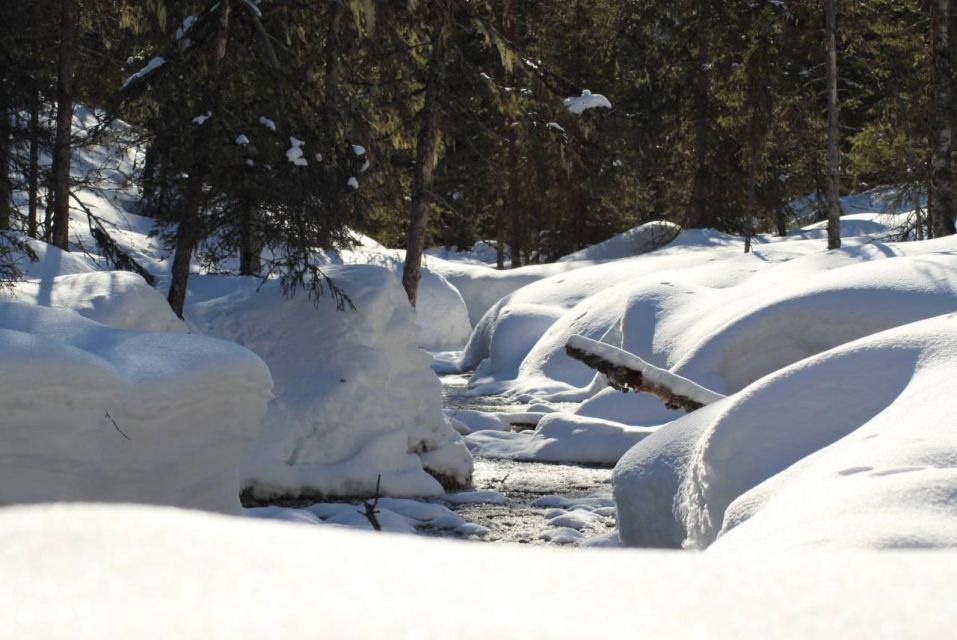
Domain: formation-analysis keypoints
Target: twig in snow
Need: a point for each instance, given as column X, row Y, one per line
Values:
column 116, row 426
column 369, row 508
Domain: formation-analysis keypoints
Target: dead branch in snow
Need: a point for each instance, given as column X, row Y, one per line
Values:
column 626, row 371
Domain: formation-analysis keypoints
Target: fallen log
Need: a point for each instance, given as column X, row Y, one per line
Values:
column 627, row 372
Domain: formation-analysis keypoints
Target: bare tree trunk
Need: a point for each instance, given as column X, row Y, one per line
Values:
column 698, row 205
column 943, row 204
column 512, row 198
column 425, row 147
column 500, row 236
column 833, row 133
column 6, row 184
column 189, row 231
column 33, row 177
column 64, row 125
column 250, row 260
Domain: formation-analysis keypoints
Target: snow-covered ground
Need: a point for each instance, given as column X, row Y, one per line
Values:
column 93, row 572
column 826, row 381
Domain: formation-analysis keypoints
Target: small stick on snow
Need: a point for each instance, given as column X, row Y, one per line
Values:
column 116, row 426
column 370, row 507
column 626, row 371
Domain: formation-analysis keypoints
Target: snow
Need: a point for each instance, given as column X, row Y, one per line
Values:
column 202, row 118
column 635, row 241
column 354, row 397
column 295, row 154
column 184, row 28
column 266, row 122
column 352, row 183
column 241, row 140
column 71, row 567
column 587, row 100
column 92, row 412
column 115, row 298
column 650, row 373
column 560, row 437
column 151, row 66
column 358, row 149
column 816, row 473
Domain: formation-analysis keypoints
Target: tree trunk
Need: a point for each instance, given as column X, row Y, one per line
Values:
column 833, row 133
column 698, row 216
column 512, row 197
column 943, row 204
column 500, row 236
column 33, row 171
column 189, row 231
column 33, row 177
column 425, row 147
column 6, row 184
column 250, row 260
column 64, row 125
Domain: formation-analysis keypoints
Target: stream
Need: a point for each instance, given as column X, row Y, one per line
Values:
column 544, row 503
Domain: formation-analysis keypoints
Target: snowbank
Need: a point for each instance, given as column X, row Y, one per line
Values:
column 67, row 570
column 440, row 312
column 703, row 310
column 354, row 397
column 115, row 298
column 96, row 413
column 560, row 437
column 864, row 426
column 635, row 241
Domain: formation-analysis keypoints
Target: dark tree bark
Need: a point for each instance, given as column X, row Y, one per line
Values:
column 64, row 125
column 833, row 131
column 190, row 228
column 698, row 209
column 509, row 30
column 943, row 187
column 6, row 184
column 250, row 259
column 425, row 147
column 33, row 170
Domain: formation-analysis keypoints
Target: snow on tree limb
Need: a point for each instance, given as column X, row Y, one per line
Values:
column 627, row 371
column 587, row 100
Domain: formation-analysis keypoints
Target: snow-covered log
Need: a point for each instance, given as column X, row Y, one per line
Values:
column 626, row 371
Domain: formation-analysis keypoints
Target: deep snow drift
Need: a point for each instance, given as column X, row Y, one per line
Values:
column 102, row 571
column 354, row 397
column 700, row 309
column 849, row 448
column 97, row 413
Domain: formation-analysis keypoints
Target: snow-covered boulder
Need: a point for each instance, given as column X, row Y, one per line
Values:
column 93, row 413
column 354, row 396
column 805, row 456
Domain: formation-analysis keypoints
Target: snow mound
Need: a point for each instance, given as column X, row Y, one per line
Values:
column 717, row 316
column 94, row 413
column 636, row 241
column 115, row 298
column 354, row 397
column 440, row 312
column 802, row 456
column 66, row 568
column 560, row 437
